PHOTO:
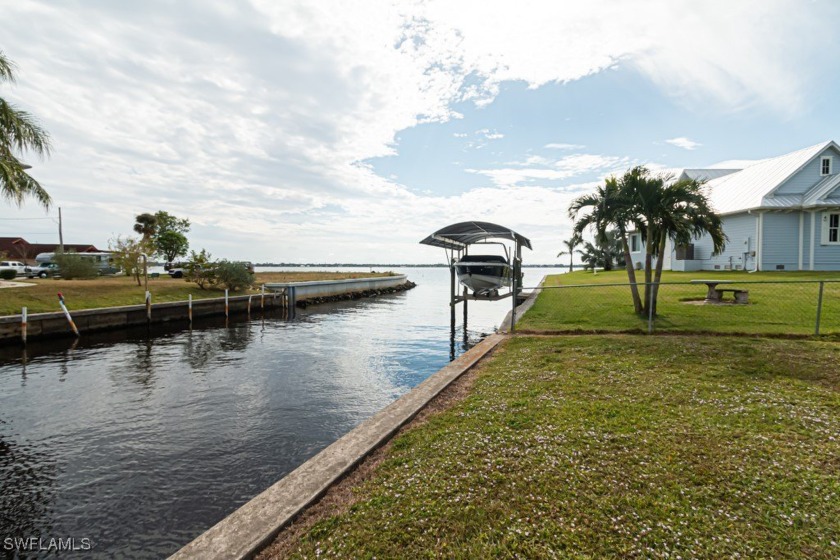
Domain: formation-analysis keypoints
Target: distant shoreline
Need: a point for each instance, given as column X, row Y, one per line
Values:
column 393, row 265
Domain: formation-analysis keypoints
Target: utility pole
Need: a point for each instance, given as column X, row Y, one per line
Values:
column 60, row 233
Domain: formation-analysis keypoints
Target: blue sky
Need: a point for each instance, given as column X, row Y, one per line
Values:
column 348, row 131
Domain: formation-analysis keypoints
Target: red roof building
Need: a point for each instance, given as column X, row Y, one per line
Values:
column 20, row 249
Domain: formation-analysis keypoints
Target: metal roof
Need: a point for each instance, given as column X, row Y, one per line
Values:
column 747, row 189
column 458, row 236
column 707, row 174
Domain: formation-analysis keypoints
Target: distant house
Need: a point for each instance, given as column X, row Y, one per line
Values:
column 781, row 213
column 19, row 248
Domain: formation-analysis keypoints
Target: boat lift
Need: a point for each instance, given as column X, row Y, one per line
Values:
column 456, row 239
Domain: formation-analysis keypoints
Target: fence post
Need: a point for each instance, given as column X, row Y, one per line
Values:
column 819, row 309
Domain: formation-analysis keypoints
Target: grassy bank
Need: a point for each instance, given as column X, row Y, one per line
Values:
column 614, row 447
column 775, row 304
column 40, row 295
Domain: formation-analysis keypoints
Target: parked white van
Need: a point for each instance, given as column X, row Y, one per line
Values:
column 103, row 261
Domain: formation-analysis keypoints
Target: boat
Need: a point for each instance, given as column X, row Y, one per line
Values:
column 483, row 274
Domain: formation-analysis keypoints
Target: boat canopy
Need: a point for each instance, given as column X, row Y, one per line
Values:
column 458, row 236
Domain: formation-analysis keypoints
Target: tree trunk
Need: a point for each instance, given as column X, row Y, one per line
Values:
column 659, row 264
column 631, row 272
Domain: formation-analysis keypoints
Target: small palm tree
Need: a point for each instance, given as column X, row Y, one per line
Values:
column 19, row 133
column 570, row 244
column 661, row 209
column 146, row 225
column 608, row 207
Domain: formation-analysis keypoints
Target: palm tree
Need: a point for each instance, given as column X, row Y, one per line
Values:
column 19, row 133
column 644, row 194
column 570, row 244
column 146, row 225
column 684, row 214
column 662, row 209
column 608, row 207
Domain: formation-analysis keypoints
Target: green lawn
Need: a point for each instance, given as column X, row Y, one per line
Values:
column 779, row 303
column 614, row 447
column 41, row 294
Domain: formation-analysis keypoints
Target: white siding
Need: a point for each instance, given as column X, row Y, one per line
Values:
column 738, row 228
column 781, row 241
column 809, row 176
column 826, row 257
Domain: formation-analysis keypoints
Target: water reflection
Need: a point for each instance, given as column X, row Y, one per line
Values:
column 141, row 439
column 27, row 480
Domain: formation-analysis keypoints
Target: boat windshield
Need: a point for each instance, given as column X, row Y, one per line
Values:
column 483, row 259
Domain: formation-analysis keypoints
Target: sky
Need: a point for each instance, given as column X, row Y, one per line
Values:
column 347, row 131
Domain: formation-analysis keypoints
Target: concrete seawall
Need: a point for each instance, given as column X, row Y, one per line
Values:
column 44, row 325
column 49, row 325
column 245, row 531
column 320, row 289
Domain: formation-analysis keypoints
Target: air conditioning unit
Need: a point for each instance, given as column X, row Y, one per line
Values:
column 685, row 252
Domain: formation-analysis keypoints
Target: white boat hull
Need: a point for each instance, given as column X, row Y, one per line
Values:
column 483, row 277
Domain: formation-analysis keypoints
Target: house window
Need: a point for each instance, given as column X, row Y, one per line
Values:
column 831, row 228
column 825, row 165
column 635, row 243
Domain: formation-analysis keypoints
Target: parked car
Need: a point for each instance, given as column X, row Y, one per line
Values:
column 42, row 270
column 174, row 269
column 17, row 266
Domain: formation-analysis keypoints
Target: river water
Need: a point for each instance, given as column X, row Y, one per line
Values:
column 139, row 441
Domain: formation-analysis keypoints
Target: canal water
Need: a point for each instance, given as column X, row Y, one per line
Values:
column 138, row 441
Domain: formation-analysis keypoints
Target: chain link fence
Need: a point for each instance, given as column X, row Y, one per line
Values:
column 758, row 307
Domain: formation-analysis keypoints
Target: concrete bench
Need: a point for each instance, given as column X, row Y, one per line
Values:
column 741, row 296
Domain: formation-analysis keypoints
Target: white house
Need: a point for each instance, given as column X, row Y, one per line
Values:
column 781, row 213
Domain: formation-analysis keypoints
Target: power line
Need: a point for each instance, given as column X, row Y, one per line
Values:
column 24, row 219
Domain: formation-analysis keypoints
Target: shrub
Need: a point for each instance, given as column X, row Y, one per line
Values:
column 73, row 266
column 233, row 275
column 200, row 269
column 8, row 274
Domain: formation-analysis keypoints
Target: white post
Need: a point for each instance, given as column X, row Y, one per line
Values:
column 226, row 302
column 23, row 325
column 148, row 306
column 189, row 308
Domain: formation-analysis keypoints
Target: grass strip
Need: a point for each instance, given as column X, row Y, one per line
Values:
column 778, row 304
column 614, row 447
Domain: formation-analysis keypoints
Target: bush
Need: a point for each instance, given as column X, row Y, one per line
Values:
column 72, row 266
column 200, row 269
column 8, row 274
column 233, row 275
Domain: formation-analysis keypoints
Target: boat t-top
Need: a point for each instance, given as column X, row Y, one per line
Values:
column 482, row 273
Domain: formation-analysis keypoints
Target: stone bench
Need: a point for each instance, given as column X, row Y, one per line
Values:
column 741, row 296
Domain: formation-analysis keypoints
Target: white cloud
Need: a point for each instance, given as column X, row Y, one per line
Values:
column 251, row 118
column 684, row 143
column 554, row 170
column 563, row 146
